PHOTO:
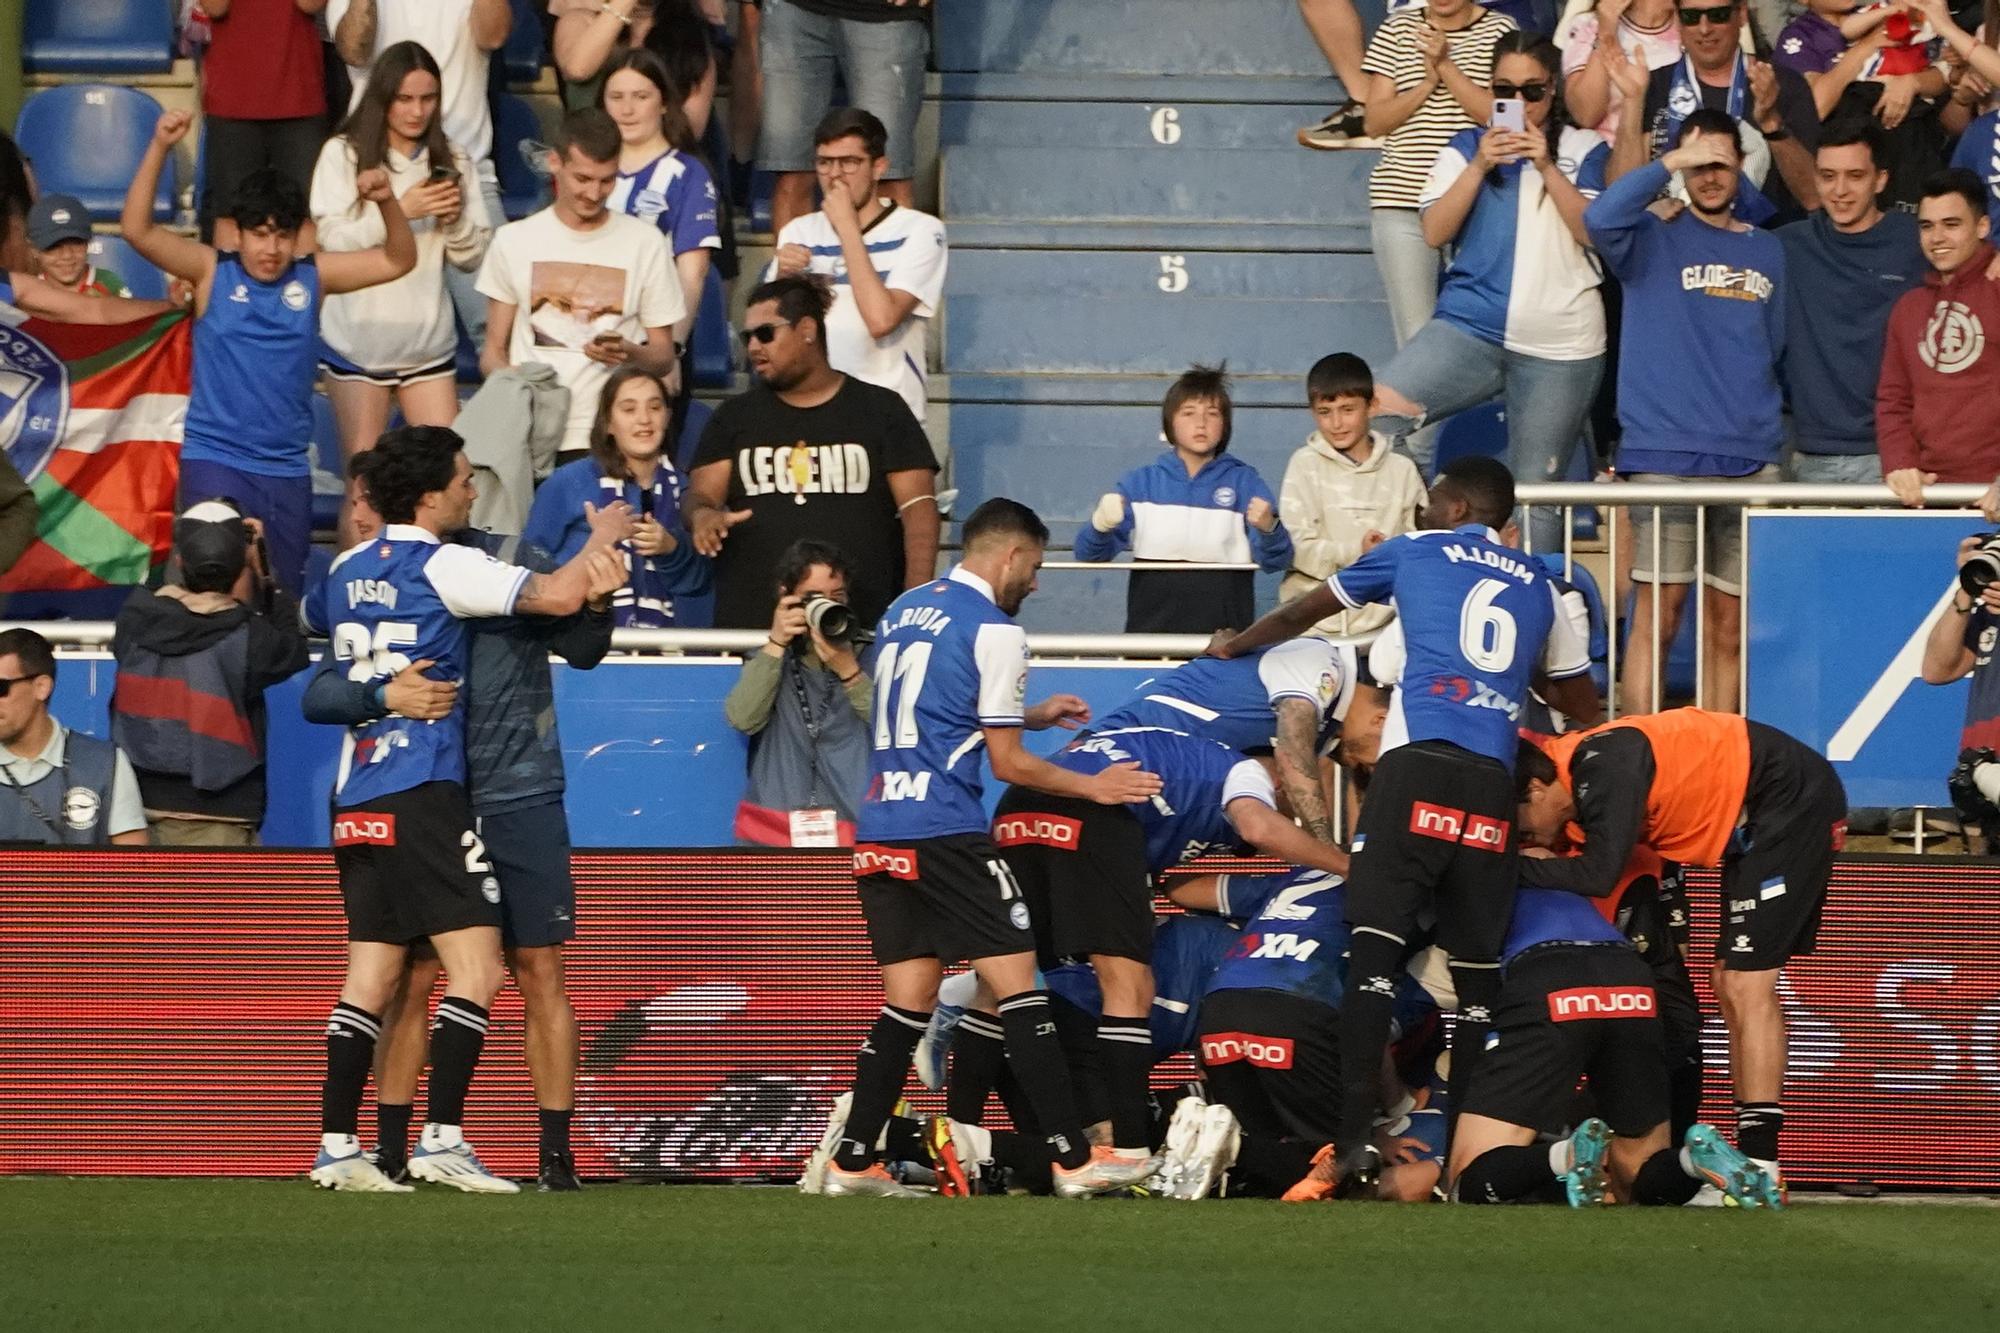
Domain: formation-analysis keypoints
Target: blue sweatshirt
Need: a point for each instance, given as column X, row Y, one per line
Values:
column 1172, row 516
column 1842, row 288
column 557, row 522
column 1703, row 332
column 1978, row 151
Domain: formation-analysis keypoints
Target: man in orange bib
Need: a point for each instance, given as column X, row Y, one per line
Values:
column 1703, row 789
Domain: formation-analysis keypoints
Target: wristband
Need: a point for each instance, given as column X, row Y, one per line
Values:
column 850, row 679
column 1778, row 135
column 775, row 644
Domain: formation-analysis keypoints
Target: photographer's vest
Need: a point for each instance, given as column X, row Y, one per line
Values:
column 790, row 770
column 69, row 803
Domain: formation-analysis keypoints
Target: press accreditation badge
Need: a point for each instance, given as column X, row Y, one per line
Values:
column 815, row 828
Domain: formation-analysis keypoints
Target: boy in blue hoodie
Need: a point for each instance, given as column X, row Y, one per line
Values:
column 1698, row 395
column 1193, row 504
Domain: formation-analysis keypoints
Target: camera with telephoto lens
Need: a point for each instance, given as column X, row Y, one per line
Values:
column 1974, row 785
column 1982, row 568
column 833, row 621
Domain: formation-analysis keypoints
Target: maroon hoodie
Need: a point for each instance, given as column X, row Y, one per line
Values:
column 1940, row 388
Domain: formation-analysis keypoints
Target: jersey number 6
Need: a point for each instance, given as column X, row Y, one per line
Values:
column 1486, row 632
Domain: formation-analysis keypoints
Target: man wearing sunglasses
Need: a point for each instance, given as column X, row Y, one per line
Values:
column 1775, row 105
column 62, row 787
column 807, row 452
column 886, row 260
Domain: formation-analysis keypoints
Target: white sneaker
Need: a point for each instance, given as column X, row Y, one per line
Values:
column 459, row 1167
column 1183, row 1133
column 356, row 1174
column 1214, row 1152
column 814, row 1180
column 1104, row 1172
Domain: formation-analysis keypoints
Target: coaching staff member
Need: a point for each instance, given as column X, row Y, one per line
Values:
column 62, row 786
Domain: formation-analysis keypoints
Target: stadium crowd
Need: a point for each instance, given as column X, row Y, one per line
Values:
column 1650, row 233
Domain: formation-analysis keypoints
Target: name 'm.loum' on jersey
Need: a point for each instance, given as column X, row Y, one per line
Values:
column 1198, row 780
column 948, row 664
column 393, row 600
column 1235, row 702
column 1478, row 618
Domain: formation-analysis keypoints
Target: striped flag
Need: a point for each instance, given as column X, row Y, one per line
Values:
column 91, row 416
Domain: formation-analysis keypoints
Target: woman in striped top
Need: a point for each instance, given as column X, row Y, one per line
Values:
column 1427, row 73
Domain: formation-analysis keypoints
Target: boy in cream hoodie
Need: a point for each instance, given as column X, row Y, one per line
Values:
column 1345, row 489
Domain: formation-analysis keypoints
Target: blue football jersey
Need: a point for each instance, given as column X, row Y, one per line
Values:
column 1551, row 916
column 397, row 599
column 1198, row 781
column 1186, row 952
column 1297, row 944
column 1235, row 702
column 1477, row 619
column 948, row 664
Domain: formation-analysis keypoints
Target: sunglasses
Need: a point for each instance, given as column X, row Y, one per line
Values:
column 1717, row 15
column 764, row 333
column 1527, row 92
column 7, row 684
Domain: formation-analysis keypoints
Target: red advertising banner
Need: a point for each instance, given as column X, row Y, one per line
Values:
column 161, row 1014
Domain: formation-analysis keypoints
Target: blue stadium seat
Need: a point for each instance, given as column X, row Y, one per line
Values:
column 98, row 36
column 520, row 189
column 86, row 139
column 325, row 464
column 1480, row 430
column 141, row 279
column 525, row 51
column 467, row 356
column 713, row 339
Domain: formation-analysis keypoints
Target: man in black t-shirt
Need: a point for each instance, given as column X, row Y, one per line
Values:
column 808, row 452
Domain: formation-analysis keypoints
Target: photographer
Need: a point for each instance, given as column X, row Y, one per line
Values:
column 1962, row 641
column 194, row 659
column 803, row 701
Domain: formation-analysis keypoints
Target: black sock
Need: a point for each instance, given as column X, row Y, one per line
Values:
column 880, row 1067
column 1684, row 1097
column 1036, row 1058
column 1373, row 962
column 1126, row 1047
column 392, row 1129
column 350, row 1052
column 555, row 1130
column 1505, row 1175
column 1025, row 1159
column 978, row 1055
column 1757, row 1126
column 1662, row 1180
column 458, row 1032
column 905, row 1141
column 1478, row 988
column 1269, row 1166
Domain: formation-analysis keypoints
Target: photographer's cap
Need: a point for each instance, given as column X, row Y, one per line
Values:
column 209, row 538
column 56, row 218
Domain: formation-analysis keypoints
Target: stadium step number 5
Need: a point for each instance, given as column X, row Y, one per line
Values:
column 899, row 679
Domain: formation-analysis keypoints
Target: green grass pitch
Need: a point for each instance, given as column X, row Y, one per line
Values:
column 225, row 1255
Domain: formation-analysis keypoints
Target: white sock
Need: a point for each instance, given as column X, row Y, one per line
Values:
column 340, row 1145
column 437, row 1138
column 1561, row 1157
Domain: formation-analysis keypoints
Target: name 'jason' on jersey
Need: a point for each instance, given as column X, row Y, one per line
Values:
column 803, row 469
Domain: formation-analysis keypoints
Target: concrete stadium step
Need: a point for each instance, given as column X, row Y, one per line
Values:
column 1350, row 237
column 1163, row 126
column 1206, row 187
column 1250, row 37
column 1067, row 312
column 1173, row 89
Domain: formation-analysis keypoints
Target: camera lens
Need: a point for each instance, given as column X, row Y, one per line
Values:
column 1982, row 568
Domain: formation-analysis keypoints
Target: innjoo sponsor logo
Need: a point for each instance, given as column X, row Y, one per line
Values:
column 1437, row 821
column 373, row 830
column 1039, row 830
column 1486, row 833
column 874, row 859
column 1567, row 1006
column 1223, row 1048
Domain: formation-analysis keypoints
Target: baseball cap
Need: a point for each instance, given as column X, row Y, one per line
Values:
column 211, row 542
column 56, row 218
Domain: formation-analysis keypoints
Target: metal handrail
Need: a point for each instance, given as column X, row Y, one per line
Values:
column 1621, row 493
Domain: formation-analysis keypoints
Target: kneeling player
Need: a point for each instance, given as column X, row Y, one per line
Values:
column 1576, row 1000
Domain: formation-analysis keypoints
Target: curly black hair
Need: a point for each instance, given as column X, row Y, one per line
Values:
column 267, row 195
column 405, row 465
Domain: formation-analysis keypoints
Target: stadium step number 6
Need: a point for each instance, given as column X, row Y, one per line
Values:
column 899, row 679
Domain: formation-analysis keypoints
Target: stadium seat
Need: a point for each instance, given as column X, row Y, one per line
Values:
column 467, row 356
column 141, row 279
column 514, row 122
column 526, row 50
column 98, row 36
column 328, row 488
column 1480, row 430
column 86, row 139
column 713, row 338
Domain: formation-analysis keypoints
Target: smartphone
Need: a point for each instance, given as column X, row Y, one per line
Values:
column 1509, row 114
column 441, row 174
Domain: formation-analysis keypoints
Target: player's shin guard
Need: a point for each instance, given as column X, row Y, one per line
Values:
column 1507, row 1175
column 1037, row 1060
column 1757, row 1126
column 1125, row 1045
column 978, row 1057
column 350, row 1051
column 1664, row 1179
column 880, row 1067
column 1373, row 962
column 458, row 1034
column 1478, row 988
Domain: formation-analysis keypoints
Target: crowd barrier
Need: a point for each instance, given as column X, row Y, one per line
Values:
column 161, row 1014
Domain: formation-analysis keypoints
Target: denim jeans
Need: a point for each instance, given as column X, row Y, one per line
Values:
column 882, row 65
column 1409, row 267
column 1445, row 370
column 1836, row 469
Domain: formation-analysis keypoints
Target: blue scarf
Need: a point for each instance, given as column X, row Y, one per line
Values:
column 1684, row 98
column 646, row 601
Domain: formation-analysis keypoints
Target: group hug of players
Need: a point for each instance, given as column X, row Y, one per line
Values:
column 1527, row 884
